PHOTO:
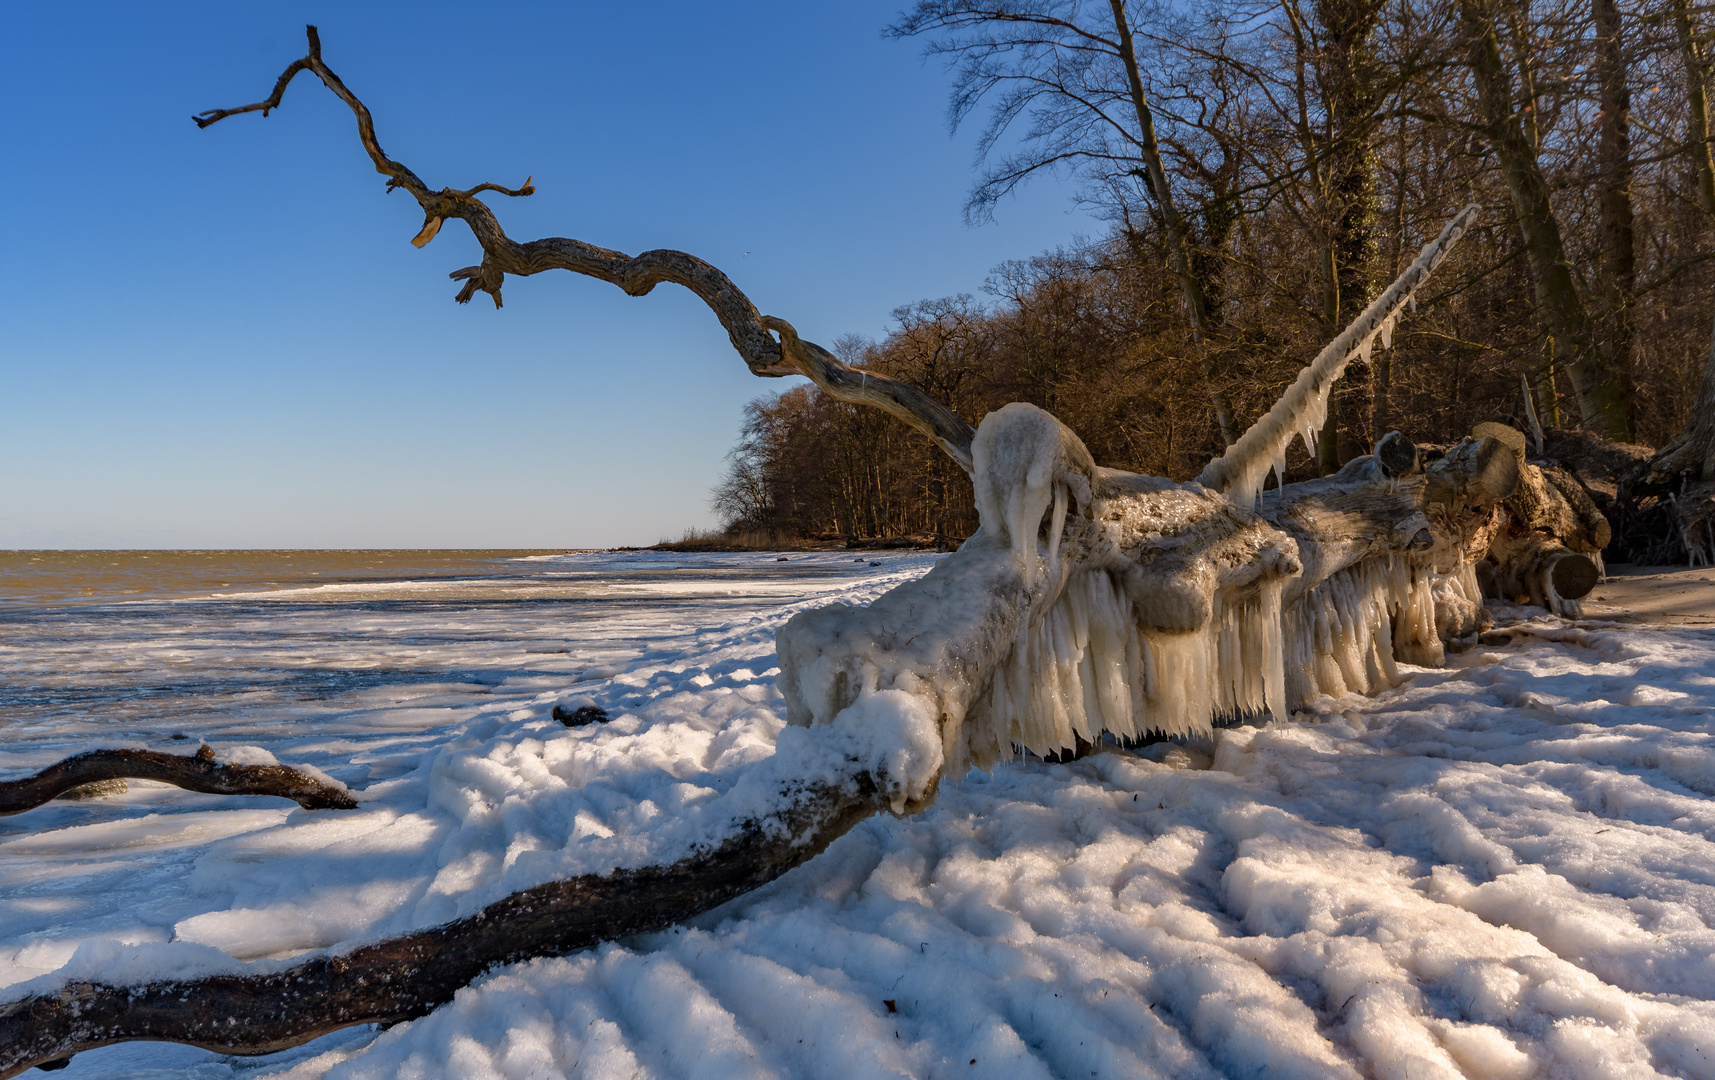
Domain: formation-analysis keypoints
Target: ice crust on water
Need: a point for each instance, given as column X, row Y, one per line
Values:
column 1499, row 869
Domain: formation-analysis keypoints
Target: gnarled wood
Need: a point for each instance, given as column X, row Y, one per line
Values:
column 198, row 772
column 407, row 976
column 747, row 328
column 1548, row 548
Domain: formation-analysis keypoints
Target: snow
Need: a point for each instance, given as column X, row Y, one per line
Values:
column 1502, row 868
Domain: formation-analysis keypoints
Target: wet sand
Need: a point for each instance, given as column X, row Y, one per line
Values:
column 1671, row 595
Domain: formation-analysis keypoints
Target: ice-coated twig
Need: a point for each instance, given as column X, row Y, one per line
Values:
column 1240, row 471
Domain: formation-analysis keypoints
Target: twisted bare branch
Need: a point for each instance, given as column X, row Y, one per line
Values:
column 747, row 328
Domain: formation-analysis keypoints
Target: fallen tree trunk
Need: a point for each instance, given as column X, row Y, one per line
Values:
column 201, row 771
column 1548, row 548
column 1089, row 602
column 407, row 976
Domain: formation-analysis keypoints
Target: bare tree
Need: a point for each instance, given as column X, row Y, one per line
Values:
column 1079, row 82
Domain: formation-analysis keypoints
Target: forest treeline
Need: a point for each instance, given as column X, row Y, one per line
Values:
column 1266, row 169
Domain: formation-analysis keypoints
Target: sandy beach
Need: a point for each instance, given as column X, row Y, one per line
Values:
column 1673, row 595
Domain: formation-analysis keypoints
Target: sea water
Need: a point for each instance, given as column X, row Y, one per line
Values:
column 270, row 647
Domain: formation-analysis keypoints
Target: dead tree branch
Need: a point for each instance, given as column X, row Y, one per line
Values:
column 407, row 976
column 198, row 772
column 747, row 328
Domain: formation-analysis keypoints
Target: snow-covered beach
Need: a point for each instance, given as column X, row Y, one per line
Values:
column 1505, row 868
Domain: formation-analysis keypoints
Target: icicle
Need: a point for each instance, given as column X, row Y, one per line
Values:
column 1343, row 636
column 1302, row 409
column 1387, row 329
column 1085, row 667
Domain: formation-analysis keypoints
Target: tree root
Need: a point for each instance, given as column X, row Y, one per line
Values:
column 199, row 772
column 408, row 976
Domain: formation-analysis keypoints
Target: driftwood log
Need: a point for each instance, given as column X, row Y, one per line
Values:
column 404, row 977
column 193, row 772
column 1548, row 547
column 1090, row 602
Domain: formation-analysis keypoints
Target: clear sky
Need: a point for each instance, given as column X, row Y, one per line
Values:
column 224, row 338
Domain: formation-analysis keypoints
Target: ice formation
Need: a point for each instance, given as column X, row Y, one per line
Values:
column 1045, row 628
column 1092, row 601
column 1345, row 635
column 1301, row 411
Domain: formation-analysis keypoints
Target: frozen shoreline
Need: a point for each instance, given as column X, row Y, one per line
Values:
column 1498, row 868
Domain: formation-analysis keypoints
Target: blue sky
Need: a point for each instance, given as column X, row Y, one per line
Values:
column 224, row 338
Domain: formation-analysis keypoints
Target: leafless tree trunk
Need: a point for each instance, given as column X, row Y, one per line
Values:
column 1178, row 238
column 1349, row 87
column 1617, row 279
column 1604, row 395
column 1696, row 64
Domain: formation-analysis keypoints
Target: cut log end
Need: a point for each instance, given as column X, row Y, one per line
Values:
column 1396, row 454
column 1574, row 575
column 1497, row 468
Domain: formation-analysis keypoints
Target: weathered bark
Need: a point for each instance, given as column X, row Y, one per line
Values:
column 1548, row 548
column 407, row 976
column 1604, row 395
column 198, row 772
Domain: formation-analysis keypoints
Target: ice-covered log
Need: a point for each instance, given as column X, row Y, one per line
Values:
column 1088, row 601
column 1092, row 601
column 403, row 977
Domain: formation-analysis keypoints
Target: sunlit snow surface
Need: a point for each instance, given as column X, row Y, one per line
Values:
column 1501, row 869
